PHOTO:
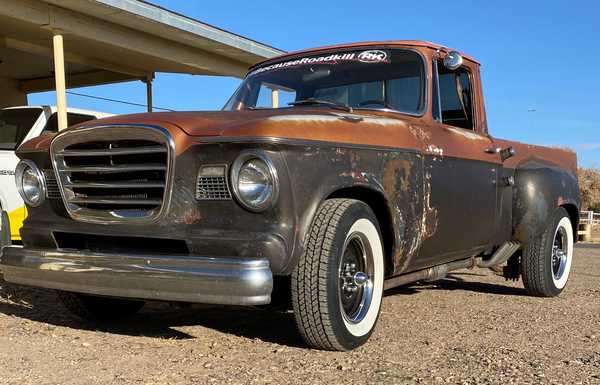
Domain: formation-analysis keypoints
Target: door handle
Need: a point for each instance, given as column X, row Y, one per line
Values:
column 505, row 153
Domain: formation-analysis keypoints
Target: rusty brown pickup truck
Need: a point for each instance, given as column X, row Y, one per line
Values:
column 331, row 174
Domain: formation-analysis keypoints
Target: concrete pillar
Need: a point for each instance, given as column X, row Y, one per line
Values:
column 10, row 95
column 59, row 79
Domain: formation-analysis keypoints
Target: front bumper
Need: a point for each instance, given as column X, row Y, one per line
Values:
column 228, row 281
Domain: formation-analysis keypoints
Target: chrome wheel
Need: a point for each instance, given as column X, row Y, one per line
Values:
column 356, row 279
column 559, row 253
column 337, row 285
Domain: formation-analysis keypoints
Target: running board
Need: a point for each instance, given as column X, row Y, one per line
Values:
column 502, row 254
column 431, row 274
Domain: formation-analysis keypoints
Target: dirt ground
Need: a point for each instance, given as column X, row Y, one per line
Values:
column 471, row 328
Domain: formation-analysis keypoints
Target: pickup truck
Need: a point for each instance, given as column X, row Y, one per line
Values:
column 331, row 174
column 18, row 125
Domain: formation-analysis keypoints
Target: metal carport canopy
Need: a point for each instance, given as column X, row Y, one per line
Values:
column 108, row 41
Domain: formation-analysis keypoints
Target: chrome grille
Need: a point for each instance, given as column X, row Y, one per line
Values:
column 212, row 188
column 114, row 173
column 52, row 190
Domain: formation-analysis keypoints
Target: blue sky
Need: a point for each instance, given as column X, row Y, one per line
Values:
column 539, row 58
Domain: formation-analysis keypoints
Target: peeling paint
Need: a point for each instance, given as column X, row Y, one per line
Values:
column 433, row 149
column 419, row 133
column 184, row 208
column 429, row 218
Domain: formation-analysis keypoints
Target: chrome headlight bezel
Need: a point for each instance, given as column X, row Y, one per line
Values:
column 20, row 171
column 235, row 175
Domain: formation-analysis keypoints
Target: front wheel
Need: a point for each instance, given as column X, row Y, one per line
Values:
column 546, row 261
column 337, row 285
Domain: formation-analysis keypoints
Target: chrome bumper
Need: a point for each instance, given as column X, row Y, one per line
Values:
column 228, row 281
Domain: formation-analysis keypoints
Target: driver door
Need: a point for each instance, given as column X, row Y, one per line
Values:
column 461, row 175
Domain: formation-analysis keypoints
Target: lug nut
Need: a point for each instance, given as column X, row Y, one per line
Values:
column 360, row 278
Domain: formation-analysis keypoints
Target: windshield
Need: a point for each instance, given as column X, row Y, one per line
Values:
column 374, row 79
column 15, row 124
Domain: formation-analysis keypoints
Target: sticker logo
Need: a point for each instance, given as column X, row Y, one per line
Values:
column 372, row 56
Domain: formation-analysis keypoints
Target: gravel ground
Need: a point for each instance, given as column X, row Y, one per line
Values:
column 471, row 328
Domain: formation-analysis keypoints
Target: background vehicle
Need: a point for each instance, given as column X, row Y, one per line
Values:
column 17, row 125
column 336, row 172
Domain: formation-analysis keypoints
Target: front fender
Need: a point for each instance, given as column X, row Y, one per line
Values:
column 392, row 178
column 540, row 187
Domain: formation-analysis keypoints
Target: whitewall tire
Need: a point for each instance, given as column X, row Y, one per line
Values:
column 546, row 261
column 337, row 285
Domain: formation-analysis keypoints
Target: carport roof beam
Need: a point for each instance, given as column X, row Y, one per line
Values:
column 115, row 40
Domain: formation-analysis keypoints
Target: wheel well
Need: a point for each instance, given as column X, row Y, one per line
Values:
column 378, row 204
column 574, row 217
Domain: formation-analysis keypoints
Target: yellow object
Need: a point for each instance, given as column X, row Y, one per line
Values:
column 16, row 218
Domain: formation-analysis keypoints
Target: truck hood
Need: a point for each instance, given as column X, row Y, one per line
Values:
column 363, row 127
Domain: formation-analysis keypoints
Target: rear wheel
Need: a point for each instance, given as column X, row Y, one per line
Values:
column 337, row 285
column 546, row 261
column 91, row 307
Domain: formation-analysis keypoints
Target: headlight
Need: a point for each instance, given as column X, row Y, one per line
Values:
column 30, row 183
column 254, row 180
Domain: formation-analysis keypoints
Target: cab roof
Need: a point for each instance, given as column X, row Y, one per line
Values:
column 399, row 43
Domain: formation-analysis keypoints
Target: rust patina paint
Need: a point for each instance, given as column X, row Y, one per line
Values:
column 378, row 130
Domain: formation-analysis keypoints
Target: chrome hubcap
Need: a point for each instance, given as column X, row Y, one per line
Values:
column 355, row 279
column 559, row 253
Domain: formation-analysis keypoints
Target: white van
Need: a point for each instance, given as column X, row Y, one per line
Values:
column 17, row 125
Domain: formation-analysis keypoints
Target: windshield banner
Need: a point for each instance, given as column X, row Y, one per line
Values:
column 370, row 56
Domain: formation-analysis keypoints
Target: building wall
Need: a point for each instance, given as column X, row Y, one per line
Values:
column 10, row 94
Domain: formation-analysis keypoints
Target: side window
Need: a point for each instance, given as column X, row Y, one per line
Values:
column 72, row 119
column 456, row 97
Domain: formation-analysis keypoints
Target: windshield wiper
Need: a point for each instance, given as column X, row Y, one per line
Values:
column 309, row 101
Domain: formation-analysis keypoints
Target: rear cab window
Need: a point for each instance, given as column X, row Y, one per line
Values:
column 15, row 124
column 72, row 119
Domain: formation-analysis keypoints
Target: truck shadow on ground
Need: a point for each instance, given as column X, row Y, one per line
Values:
column 156, row 319
column 160, row 320
column 456, row 281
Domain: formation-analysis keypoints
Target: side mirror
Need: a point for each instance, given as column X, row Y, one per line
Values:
column 453, row 60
